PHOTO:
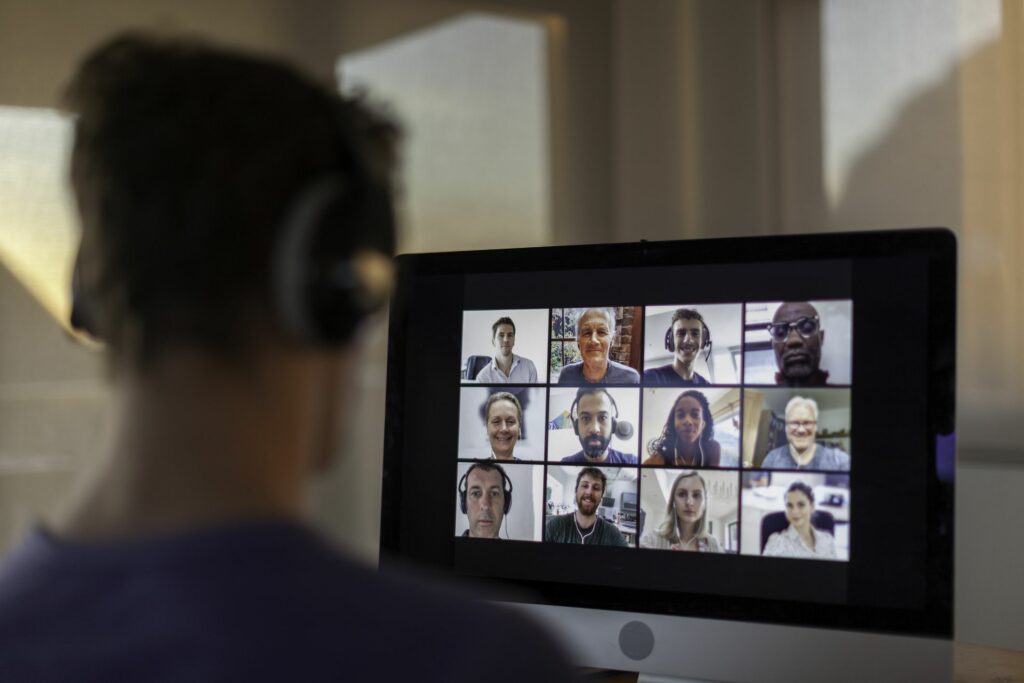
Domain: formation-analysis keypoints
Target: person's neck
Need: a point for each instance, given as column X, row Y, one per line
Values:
column 585, row 521
column 806, row 535
column 805, row 456
column 687, row 531
column 687, row 453
column 684, row 370
column 504, row 362
column 198, row 444
column 595, row 372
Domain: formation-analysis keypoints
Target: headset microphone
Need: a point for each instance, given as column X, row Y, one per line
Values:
column 623, row 429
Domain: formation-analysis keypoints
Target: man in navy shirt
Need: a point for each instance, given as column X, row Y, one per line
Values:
column 236, row 228
column 594, row 416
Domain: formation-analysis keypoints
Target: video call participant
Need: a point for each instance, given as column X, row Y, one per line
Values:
column 686, row 338
column 687, row 439
column 595, row 333
column 797, row 338
column 800, row 538
column 585, row 526
column 236, row 229
column 506, row 367
column 594, row 417
column 485, row 497
column 802, row 452
column 504, row 416
column 685, row 524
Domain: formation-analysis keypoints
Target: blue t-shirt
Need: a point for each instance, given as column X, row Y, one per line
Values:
column 666, row 376
column 617, row 373
column 614, row 458
column 260, row 602
column 825, row 458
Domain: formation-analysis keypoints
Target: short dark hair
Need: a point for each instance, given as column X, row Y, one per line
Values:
column 504, row 320
column 686, row 314
column 186, row 160
column 593, row 472
column 802, row 488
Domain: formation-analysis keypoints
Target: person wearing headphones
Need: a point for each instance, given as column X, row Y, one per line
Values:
column 594, row 416
column 685, row 525
column 585, row 526
column 236, row 231
column 485, row 497
column 687, row 337
column 688, row 437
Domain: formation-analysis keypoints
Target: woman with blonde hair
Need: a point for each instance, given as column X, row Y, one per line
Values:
column 685, row 524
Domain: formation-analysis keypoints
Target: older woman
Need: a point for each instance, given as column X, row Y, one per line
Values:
column 802, row 451
column 685, row 524
column 687, row 439
column 595, row 332
column 800, row 538
column 503, row 415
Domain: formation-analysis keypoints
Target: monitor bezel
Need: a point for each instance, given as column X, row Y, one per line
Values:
column 936, row 245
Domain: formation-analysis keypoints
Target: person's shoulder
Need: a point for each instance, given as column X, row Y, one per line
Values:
column 657, row 376
column 617, row 372
column 575, row 457
column 620, row 457
column 487, row 374
column 655, row 458
column 571, row 373
column 775, row 458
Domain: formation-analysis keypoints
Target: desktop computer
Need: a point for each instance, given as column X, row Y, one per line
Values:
column 727, row 459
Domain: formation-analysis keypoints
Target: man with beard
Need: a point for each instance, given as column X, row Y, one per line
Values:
column 687, row 337
column 584, row 526
column 594, row 422
column 797, row 339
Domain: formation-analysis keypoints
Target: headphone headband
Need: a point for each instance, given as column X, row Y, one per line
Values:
column 485, row 466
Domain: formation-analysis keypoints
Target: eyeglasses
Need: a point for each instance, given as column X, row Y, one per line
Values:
column 806, row 326
column 801, row 424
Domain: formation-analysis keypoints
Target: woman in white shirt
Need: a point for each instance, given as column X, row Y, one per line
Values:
column 800, row 538
column 685, row 525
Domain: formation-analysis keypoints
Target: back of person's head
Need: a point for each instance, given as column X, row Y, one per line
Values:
column 190, row 166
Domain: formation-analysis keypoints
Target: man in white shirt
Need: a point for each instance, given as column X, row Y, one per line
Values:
column 506, row 367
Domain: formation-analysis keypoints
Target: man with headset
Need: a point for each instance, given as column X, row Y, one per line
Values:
column 687, row 336
column 236, row 228
column 485, row 497
column 595, row 417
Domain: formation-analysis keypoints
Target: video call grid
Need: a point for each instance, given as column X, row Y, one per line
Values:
column 641, row 383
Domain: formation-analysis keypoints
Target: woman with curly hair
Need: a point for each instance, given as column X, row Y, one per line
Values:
column 687, row 439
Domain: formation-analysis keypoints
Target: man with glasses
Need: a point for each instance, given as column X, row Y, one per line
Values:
column 802, row 451
column 797, row 338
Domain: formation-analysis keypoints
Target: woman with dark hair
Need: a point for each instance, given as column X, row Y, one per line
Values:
column 800, row 538
column 685, row 525
column 687, row 439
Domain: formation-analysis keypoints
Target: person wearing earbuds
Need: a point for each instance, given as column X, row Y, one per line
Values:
column 585, row 526
column 686, row 338
column 688, row 437
column 485, row 497
column 595, row 334
column 685, row 525
column 594, row 417
column 236, row 231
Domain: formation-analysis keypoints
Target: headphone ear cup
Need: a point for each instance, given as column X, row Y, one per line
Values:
column 462, row 492
column 508, row 500
column 669, row 346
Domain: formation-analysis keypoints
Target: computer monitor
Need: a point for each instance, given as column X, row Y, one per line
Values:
column 779, row 410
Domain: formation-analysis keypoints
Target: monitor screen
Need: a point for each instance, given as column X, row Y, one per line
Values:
column 769, row 413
